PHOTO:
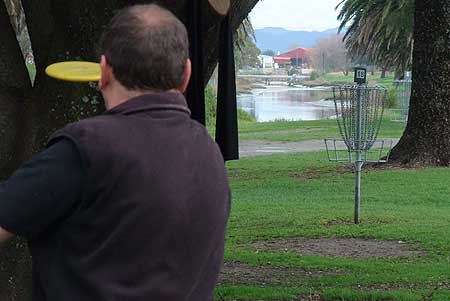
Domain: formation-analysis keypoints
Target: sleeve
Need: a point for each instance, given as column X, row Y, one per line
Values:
column 43, row 191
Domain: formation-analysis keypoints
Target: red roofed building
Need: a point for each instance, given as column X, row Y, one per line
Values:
column 298, row 56
column 282, row 61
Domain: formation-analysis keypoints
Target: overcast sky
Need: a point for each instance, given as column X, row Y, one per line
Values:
column 295, row 14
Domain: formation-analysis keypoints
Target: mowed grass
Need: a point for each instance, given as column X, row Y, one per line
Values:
column 397, row 204
column 293, row 131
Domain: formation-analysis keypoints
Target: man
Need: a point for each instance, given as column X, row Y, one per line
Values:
column 130, row 205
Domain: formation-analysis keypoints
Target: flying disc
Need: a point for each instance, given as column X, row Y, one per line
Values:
column 74, row 71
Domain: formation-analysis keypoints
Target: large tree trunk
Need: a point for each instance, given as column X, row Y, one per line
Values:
column 426, row 140
column 60, row 30
column 15, row 276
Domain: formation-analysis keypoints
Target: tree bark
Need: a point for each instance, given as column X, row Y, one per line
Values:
column 383, row 72
column 59, row 31
column 399, row 73
column 14, row 10
column 15, row 276
column 426, row 140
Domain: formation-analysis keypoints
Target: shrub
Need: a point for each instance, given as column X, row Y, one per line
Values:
column 211, row 109
column 210, row 106
column 314, row 75
column 244, row 116
column 391, row 99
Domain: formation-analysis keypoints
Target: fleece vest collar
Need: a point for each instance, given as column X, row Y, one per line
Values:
column 151, row 102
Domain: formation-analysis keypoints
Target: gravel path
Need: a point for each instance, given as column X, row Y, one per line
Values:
column 249, row 148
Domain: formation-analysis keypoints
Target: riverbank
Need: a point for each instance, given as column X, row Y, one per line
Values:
column 338, row 78
column 245, row 85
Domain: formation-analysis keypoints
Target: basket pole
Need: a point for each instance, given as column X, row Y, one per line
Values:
column 358, row 161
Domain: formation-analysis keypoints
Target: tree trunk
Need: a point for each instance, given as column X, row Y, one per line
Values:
column 399, row 74
column 15, row 276
column 60, row 30
column 426, row 139
column 383, row 72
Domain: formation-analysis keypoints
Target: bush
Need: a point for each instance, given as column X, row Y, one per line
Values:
column 244, row 116
column 211, row 109
column 210, row 106
column 314, row 75
column 391, row 99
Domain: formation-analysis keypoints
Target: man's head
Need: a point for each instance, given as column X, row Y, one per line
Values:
column 145, row 49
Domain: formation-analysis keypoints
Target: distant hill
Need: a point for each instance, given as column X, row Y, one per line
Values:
column 280, row 39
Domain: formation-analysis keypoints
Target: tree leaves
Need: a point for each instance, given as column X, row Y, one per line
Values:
column 379, row 30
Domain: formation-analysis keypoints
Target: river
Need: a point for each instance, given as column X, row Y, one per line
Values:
column 285, row 103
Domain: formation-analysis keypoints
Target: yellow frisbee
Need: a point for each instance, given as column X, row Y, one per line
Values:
column 74, row 71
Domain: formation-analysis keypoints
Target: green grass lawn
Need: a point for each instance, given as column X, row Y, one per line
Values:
column 31, row 71
column 269, row 203
column 305, row 130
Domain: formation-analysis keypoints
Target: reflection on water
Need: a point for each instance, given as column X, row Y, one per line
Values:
column 288, row 104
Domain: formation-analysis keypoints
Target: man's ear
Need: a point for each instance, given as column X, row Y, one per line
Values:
column 187, row 76
column 106, row 73
column 4, row 235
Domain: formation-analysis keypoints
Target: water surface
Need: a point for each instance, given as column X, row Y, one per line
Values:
column 283, row 103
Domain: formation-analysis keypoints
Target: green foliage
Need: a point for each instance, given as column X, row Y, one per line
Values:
column 211, row 110
column 244, row 117
column 270, row 203
column 247, row 54
column 314, row 75
column 381, row 31
column 391, row 100
column 210, row 107
column 245, row 50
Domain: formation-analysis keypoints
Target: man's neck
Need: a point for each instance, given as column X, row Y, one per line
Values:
column 119, row 98
column 118, row 95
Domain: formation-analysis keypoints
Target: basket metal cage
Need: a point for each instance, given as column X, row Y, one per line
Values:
column 337, row 151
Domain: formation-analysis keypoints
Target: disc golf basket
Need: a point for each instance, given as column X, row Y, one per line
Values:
column 359, row 112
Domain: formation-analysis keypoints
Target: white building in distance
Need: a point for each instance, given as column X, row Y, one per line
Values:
column 267, row 62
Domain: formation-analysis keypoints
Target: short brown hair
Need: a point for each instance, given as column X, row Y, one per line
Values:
column 147, row 48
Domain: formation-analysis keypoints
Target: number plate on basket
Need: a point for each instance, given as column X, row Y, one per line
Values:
column 360, row 75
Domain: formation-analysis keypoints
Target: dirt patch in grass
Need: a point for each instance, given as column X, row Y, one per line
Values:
column 311, row 174
column 305, row 176
column 443, row 284
column 240, row 273
column 300, row 298
column 337, row 223
column 351, row 223
column 341, row 247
